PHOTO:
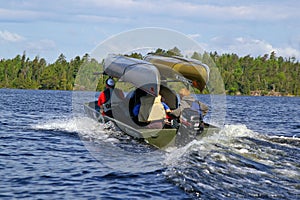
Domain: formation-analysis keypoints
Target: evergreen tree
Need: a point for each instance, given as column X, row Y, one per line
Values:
column 240, row 75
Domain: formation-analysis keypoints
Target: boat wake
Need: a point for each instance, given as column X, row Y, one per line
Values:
column 109, row 145
column 236, row 163
column 86, row 128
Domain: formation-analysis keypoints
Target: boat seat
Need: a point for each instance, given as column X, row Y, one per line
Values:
column 135, row 98
column 170, row 97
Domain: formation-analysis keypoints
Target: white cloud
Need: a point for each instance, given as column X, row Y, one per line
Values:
column 41, row 46
column 101, row 19
column 249, row 46
column 15, row 15
column 10, row 37
column 229, row 11
column 194, row 36
column 34, row 10
column 277, row 22
column 288, row 52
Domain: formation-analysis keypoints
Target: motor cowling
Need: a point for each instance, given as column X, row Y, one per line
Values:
column 190, row 127
column 191, row 120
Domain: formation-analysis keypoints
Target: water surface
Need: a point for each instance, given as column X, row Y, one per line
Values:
column 49, row 152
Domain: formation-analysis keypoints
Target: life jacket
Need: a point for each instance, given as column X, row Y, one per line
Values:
column 107, row 103
column 151, row 109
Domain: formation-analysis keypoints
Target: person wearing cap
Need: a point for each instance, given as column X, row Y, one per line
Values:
column 104, row 100
column 188, row 101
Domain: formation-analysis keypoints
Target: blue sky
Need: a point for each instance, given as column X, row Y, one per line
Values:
column 74, row 27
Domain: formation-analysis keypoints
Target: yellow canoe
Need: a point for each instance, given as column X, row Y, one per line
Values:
column 191, row 69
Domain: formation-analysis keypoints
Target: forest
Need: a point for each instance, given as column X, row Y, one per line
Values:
column 263, row 75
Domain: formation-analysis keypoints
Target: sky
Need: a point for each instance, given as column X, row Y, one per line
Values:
column 47, row 28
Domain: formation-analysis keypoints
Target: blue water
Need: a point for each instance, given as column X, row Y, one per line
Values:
column 49, row 150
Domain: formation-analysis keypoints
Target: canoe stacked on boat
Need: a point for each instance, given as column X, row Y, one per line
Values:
column 146, row 74
column 191, row 69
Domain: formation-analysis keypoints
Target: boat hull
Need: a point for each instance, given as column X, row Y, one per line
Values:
column 159, row 138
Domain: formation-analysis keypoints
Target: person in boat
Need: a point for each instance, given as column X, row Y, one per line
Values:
column 169, row 117
column 104, row 100
column 151, row 111
column 189, row 102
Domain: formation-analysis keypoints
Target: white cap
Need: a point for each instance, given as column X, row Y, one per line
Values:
column 110, row 82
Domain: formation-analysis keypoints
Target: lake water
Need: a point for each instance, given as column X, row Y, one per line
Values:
column 49, row 151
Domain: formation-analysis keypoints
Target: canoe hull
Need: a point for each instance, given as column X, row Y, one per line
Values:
column 129, row 70
column 191, row 69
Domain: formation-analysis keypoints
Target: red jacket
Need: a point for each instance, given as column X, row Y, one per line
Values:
column 101, row 99
column 105, row 96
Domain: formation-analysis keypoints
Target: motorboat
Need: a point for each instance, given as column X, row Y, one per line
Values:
column 153, row 75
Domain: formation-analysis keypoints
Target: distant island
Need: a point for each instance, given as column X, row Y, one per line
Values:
column 266, row 75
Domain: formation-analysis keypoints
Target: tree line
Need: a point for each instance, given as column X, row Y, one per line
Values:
column 246, row 75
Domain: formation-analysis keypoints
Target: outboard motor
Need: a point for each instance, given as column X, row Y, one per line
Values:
column 190, row 127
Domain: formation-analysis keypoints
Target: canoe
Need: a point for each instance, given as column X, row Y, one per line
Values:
column 191, row 69
column 140, row 73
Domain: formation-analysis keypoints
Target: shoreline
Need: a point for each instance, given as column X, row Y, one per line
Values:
column 257, row 93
